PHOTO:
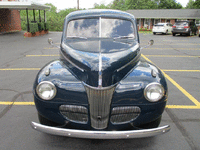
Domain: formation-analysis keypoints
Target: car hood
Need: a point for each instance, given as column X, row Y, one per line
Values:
column 105, row 58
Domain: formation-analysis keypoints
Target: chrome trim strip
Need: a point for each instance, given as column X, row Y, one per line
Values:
column 100, row 57
column 101, row 134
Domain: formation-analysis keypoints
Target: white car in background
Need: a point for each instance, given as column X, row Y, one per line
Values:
column 163, row 28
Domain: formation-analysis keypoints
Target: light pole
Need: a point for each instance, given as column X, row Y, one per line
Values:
column 78, row 4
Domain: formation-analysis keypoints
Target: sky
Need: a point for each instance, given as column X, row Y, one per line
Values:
column 64, row 4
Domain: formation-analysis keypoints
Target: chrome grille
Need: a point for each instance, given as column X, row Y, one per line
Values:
column 99, row 102
column 74, row 113
column 120, row 115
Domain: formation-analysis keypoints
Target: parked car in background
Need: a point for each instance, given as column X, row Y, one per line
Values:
column 163, row 28
column 100, row 88
column 184, row 27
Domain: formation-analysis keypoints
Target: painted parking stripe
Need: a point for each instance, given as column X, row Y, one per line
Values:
column 174, row 48
column 180, row 70
column 17, row 103
column 51, row 48
column 18, row 69
column 185, row 44
column 172, row 56
column 41, row 55
column 174, row 40
column 196, row 102
column 183, row 107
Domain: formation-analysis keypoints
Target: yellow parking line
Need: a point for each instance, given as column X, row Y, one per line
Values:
column 18, row 69
column 41, row 55
column 175, row 40
column 182, row 107
column 185, row 44
column 51, row 48
column 17, row 103
column 170, row 56
column 182, row 90
column 197, row 103
column 175, row 48
column 181, row 70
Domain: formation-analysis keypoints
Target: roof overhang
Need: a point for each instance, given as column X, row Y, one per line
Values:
column 166, row 13
column 23, row 5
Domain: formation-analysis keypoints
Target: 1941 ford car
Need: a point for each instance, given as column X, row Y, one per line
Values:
column 100, row 88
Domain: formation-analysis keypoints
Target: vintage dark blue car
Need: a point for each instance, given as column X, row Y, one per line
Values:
column 100, row 88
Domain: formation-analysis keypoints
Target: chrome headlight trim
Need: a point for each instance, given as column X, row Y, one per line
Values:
column 154, row 88
column 52, row 90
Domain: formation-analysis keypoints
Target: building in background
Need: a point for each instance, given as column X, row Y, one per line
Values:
column 10, row 13
column 147, row 18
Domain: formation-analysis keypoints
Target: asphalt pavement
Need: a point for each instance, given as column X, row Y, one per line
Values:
column 21, row 58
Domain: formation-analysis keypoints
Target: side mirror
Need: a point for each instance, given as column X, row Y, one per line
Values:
column 50, row 41
column 150, row 43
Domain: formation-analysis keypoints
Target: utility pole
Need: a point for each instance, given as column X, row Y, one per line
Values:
column 78, row 4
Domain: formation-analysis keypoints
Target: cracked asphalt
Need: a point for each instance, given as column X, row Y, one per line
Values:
column 21, row 58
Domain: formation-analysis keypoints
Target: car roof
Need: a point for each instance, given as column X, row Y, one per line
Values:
column 100, row 13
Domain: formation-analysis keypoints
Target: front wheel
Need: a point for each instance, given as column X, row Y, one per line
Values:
column 195, row 33
column 154, row 33
column 153, row 124
column 173, row 34
column 190, row 33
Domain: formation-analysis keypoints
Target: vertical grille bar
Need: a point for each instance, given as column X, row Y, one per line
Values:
column 99, row 101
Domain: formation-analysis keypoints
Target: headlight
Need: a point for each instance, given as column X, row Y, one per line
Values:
column 46, row 90
column 153, row 92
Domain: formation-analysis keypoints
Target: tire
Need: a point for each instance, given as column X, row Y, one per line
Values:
column 154, row 33
column 153, row 124
column 47, row 122
column 190, row 33
column 173, row 34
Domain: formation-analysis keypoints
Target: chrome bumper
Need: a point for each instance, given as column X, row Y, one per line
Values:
column 100, row 134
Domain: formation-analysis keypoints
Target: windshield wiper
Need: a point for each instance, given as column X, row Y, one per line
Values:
column 76, row 37
column 124, row 37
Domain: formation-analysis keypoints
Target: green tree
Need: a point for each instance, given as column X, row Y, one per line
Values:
column 101, row 6
column 119, row 4
column 141, row 4
column 196, row 4
column 169, row 4
column 190, row 4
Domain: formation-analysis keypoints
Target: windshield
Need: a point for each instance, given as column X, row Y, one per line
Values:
column 181, row 24
column 100, row 28
column 159, row 25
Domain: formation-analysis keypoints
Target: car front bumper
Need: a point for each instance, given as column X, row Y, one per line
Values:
column 100, row 134
column 159, row 30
